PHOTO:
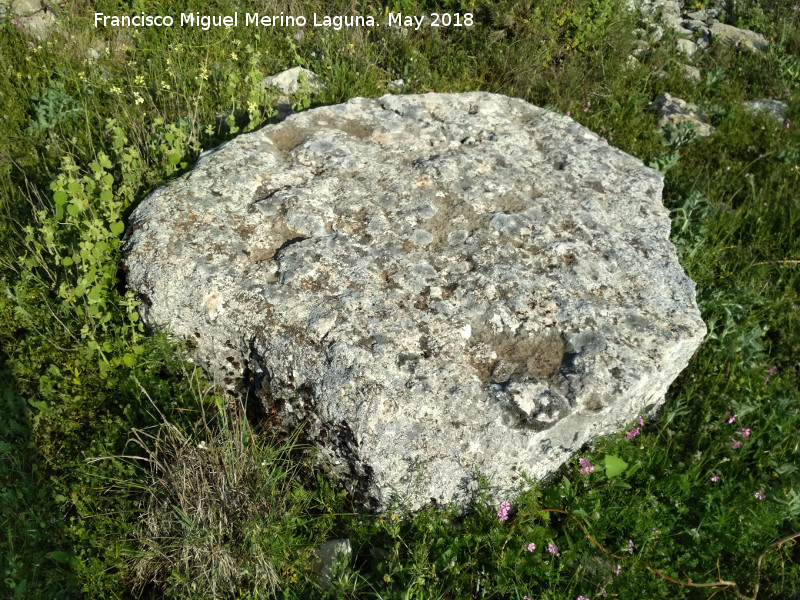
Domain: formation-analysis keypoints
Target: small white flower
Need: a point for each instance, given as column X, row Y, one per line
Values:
column 466, row 331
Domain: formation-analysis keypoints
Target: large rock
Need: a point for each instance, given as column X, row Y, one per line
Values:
column 35, row 16
column 739, row 38
column 434, row 283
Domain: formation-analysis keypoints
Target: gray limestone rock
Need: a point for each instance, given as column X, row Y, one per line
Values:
column 674, row 110
column 428, row 284
column 776, row 108
column 686, row 47
column 35, row 16
column 739, row 38
column 289, row 81
column 691, row 73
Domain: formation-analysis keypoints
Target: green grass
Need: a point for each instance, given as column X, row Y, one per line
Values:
column 83, row 141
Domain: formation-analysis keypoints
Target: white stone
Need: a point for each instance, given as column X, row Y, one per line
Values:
column 289, row 81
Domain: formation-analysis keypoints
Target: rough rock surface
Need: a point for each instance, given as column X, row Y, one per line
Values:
column 35, row 16
column 739, row 38
column 776, row 108
column 435, row 283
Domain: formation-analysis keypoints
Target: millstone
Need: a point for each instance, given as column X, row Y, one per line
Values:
column 430, row 285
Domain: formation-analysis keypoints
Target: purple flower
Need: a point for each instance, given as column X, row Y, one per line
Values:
column 732, row 419
column 618, row 570
column 736, row 445
column 569, row 113
column 744, row 432
column 632, row 434
column 586, row 466
column 582, row 597
column 16, row 24
column 766, row 380
column 641, row 421
column 526, row 597
column 630, row 546
column 502, row 514
column 603, row 591
column 530, row 547
column 31, row 45
column 553, row 549
column 773, row 369
column 760, row 496
column 715, row 478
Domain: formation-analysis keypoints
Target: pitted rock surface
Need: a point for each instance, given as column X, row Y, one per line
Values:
column 435, row 283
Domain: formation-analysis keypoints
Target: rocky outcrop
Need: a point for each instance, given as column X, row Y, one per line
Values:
column 428, row 284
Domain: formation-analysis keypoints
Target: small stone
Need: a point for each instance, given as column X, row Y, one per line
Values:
column 288, row 82
column 691, row 73
column 699, row 15
column 675, row 110
column 686, row 47
column 656, row 34
column 395, row 86
column 632, row 62
column 325, row 557
column 776, row 108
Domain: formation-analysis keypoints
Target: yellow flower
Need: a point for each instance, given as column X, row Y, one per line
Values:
column 137, row 99
column 139, row 80
column 115, row 90
column 234, row 56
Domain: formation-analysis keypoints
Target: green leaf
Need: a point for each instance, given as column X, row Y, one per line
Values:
column 106, row 196
column 61, row 556
column 174, row 158
column 117, row 227
column 73, row 209
column 614, row 465
column 128, row 360
column 60, row 197
column 66, row 261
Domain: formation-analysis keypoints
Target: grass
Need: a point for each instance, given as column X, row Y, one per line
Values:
column 163, row 515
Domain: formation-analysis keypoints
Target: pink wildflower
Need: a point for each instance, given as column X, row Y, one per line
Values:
column 526, row 597
column 773, row 369
column 788, row 123
column 766, row 380
column 630, row 546
column 530, row 547
column 641, row 421
column 502, row 514
column 603, row 591
column 582, row 597
column 632, row 434
column 569, row 113
column 736, row 445
column 760, row 496
column 715, row 478
column 553, row 549
column 744, row 432
column 732, row 419
column 31, row 45
column 586, row 466
column 16, row 24
column 618, row 570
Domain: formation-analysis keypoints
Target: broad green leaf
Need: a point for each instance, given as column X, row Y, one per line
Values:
column 60, row 197
column 61, row 556
column 106, row 196
column 128, row 360
column 73, row 209
column 174, row 158
column 614, row 465
column 117, row 227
